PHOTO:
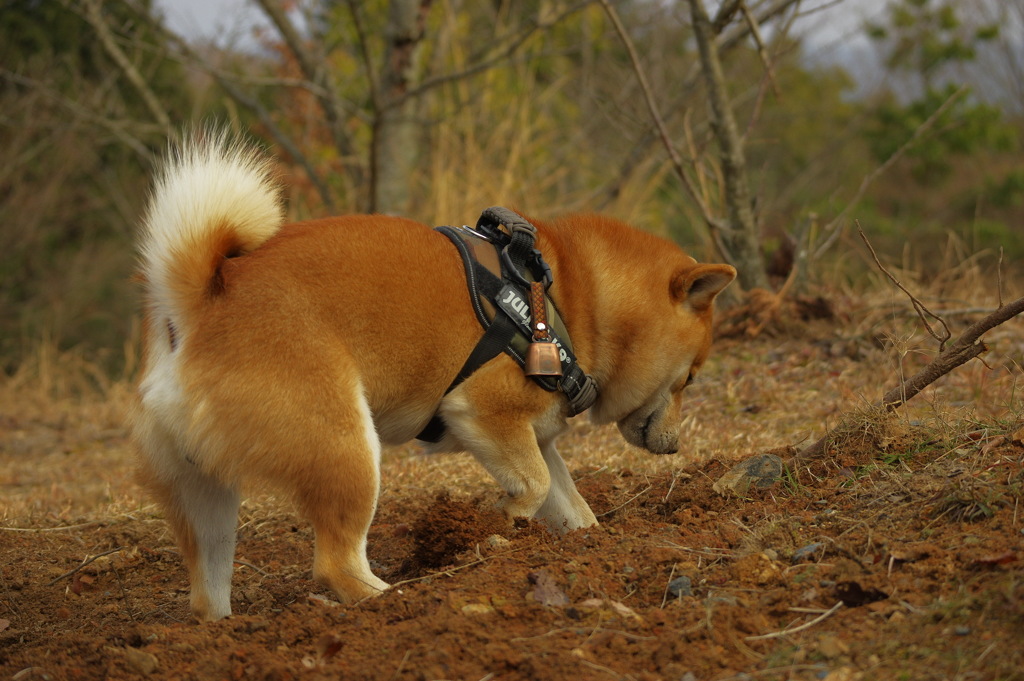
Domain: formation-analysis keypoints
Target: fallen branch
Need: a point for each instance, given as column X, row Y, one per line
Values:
column 968, row 346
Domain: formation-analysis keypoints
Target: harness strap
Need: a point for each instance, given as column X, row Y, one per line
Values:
column 517, row 255
column 497, row 336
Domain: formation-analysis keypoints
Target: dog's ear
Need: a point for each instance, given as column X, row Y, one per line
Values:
column 698, row 286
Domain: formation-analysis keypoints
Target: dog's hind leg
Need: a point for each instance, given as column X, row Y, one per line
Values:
column 564, row 508
column 203, row 514
column 337, row 491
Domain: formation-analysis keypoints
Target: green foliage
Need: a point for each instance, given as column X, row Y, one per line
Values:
column 1007, row 192
column 966, row 127
column 923, row 36
column 970, row 150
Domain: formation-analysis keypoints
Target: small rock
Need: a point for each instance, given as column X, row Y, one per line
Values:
column 545, row 590
column 680, row 586
column 140, row 661
column 760, row 471
column 496, row 541
column 475, row 609
column 961, row 630
column 721, row 598
column 807, row 552
column 624, row 610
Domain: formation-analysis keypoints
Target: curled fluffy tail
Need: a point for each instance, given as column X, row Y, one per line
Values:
column 215, row 197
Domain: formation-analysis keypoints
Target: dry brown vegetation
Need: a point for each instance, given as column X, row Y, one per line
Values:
column 899, row 556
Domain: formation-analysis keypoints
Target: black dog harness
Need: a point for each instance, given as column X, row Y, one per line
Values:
column 500, row 266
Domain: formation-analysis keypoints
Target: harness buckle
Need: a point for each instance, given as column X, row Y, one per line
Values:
column 534, row 262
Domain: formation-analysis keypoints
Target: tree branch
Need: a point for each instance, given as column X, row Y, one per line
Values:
column 314, row 67
column 116, row 127
column 728, row 39
column 510, row 48
column 94, row 16
column 922, row 312
column 762, row 51
column 677, row 162
column 250, row 103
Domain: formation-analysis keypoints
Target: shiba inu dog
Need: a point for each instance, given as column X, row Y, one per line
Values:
column 288, row 354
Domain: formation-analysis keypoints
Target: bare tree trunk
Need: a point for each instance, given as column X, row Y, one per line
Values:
column 741, row 238
column 395, row 147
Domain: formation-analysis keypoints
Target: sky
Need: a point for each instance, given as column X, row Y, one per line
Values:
column 227, row 21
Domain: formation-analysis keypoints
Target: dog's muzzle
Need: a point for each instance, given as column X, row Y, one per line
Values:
column 646, row 428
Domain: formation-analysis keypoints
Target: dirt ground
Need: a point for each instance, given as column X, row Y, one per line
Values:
column 898, row 557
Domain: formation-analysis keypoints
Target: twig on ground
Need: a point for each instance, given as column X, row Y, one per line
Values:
column 401, row 665
column 560, row 630
column 88, row 559
column 251, row 567
column 602, row 469
column 664, row 597
column 802, row 627
column 65, row 528
column 627, row 501
column 124, row 595
column 601, row 668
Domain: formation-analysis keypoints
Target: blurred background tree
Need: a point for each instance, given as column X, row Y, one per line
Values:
column 76, row 143
column 438, row 109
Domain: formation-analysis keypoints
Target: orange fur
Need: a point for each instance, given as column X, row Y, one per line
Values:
column 292, row 362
